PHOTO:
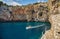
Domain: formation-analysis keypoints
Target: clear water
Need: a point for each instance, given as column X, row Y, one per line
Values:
column 17, row 30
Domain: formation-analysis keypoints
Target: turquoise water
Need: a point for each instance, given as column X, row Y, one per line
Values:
column 17, row 30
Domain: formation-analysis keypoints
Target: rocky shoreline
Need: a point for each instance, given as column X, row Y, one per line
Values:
column 54, row 32
column 54, row 19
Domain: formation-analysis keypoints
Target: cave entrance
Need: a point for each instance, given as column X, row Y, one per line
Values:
column 41, row 13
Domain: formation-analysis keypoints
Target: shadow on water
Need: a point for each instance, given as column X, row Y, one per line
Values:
column 17, row 30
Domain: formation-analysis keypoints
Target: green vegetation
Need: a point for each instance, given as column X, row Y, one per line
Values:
column 3, row 4
column 35, row 3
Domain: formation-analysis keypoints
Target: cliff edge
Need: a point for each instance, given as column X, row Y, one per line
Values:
column 31, row 12
column 54, row 19
column 54, row 32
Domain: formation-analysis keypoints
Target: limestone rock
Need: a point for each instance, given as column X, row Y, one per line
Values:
column 4, row 13
column 31, row 12
column 54, row 32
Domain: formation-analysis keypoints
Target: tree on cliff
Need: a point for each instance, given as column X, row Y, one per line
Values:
column 1, row 3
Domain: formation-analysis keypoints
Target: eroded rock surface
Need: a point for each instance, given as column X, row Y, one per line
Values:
column 54, row 32
column 4, row 13
column 54, row 18
column 33, row 12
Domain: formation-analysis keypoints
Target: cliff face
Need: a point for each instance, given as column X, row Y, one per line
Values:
column 4, row 13
column 54, row 19
column 54, row 32
column 33, row 12
column 53, row 6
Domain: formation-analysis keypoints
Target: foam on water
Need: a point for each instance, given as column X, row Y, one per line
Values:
column 31, row 27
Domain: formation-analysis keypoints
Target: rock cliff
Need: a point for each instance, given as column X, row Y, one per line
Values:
column 54, row 32
column 54, row 19
column 4, row 14
column 32, row 12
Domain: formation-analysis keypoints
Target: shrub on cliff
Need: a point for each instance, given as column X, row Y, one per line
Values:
column 1, row 3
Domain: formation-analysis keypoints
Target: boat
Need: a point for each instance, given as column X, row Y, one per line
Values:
column 29, row 27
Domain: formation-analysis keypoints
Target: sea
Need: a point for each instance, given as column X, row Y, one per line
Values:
column 17, row 30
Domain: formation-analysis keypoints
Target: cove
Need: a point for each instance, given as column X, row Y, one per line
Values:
column 17, row 30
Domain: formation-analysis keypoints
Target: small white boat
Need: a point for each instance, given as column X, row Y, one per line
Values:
column 29, row 27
